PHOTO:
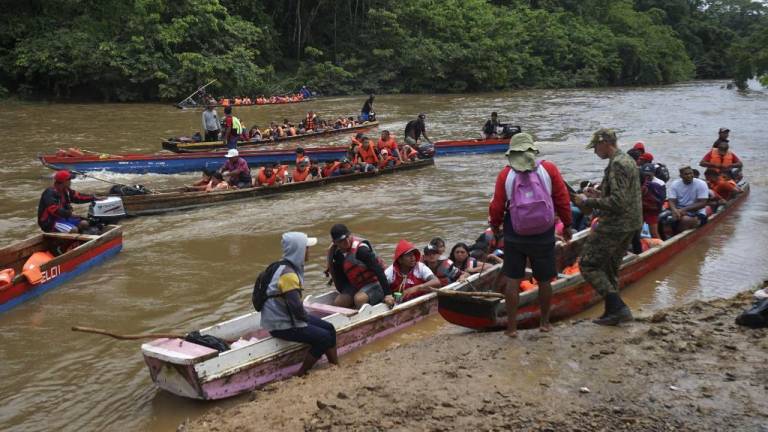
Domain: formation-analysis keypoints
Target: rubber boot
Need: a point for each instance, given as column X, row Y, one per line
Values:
column 616, row 312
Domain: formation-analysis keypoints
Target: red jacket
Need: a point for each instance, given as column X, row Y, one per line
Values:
column 560, row 197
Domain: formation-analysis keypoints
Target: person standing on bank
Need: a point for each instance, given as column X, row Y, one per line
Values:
column 527, row 196
column 211, row 125
column 356, row 271
column 283, row 313
column 621, row 215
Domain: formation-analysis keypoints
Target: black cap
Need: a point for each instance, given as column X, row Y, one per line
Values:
column 648, row 169
column 299, row 149
column 430, row 248
column 339, row 232
column 494, row 114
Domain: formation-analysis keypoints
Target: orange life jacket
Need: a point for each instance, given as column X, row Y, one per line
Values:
column 262, row 178
column 327, row 171
column 368, row 156
column 225, row 102
column 722, row 162
column 300, row 176
column 358, row 274
column 389, row 144
column 6, row 276
column 357, row 141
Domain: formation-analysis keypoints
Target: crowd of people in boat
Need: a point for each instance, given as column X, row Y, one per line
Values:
column 363, row 155
column 231, row 131
column 531, row 209
column 303, row 94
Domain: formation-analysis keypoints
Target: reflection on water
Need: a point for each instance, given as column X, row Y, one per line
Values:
column 183, row 271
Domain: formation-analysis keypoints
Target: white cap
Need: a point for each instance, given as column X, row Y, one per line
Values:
column 232, row 153
column 311, row 241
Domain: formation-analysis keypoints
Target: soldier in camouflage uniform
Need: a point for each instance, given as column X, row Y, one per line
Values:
column 621, row 217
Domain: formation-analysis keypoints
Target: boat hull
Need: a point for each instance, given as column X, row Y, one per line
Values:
column 199, row 161
column 62, row 268
column 573, row 294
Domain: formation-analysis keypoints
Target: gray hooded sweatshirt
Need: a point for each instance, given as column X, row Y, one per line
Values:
column 276, row 313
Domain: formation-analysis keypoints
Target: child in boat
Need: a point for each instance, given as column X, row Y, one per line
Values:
column 444, row 269
column 217, row 183
column 283, row 313
column 407, row 274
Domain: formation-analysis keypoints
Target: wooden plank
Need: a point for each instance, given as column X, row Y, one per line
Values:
column 330, row 309
column 74, row 237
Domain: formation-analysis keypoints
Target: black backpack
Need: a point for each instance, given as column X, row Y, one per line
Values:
column 662, row 173
column 209, row 341
column 756, row 316
column 261, row 285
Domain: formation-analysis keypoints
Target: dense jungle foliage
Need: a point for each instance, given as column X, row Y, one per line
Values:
column 131, row 50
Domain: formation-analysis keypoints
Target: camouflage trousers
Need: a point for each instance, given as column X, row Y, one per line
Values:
column 601, row 258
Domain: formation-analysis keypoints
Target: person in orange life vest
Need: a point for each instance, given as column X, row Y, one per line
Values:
column 722, row 136
column 721, row 158
column 267, row 176
column 723, row 186
column 237, row 169
column 346, row 167
column 300, row 154
column 408, row 153
column 311, row 121
column 444, row 269
column 331, row 168
column 217, row 183
column 357, row 139
column 462, row 260
column 356, row 271
column 529, row 238
column 387, row 141
column 407, row 274
column 367, row 154
column 387, row 161
column 301, row 172
column 54, row 211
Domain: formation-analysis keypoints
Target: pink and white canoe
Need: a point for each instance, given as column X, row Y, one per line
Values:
column 256, row 358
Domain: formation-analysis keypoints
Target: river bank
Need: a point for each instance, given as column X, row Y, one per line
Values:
column 683, row 368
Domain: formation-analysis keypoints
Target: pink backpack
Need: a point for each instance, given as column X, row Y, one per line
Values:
column 530, row 206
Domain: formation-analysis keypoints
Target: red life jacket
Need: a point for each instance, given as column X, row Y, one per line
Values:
column 402, row 282
column 327, row 171
column 300, row 176
column 443, row 271
column 493, row 243
column 357, row 272
column 310, row 123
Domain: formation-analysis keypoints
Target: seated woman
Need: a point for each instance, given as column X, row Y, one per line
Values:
column 217, row 183
column 461, row 259
column 408, row 275
column 254, row 134
column 201, row 184
column 283, row 313
column 409, row 153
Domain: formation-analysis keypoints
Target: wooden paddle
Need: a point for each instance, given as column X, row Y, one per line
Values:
column 467, row 293
column 129, row 337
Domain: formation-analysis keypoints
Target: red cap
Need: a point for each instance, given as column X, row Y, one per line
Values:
column 62, row 176
column 646, row 158
column 639, row 145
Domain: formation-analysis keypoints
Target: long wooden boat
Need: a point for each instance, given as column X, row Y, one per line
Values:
column 165, row 163
column 183, row 199
column 256, row 358
column 570, row 294
column 190, row 147
column 76, row 254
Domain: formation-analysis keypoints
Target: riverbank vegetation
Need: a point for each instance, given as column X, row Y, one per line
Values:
column 161, row 49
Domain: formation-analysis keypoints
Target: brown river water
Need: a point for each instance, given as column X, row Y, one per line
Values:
column 184, row 271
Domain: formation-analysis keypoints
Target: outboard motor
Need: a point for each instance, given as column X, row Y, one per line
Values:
column 508, row 131
column 426, row 150
column 106, row 211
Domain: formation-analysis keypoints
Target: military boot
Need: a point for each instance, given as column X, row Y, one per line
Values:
column 616, row 311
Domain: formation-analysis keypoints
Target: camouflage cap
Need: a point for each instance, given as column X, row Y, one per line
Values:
column 602, row 134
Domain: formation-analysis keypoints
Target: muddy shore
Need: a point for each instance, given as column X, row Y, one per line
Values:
column 684, row 368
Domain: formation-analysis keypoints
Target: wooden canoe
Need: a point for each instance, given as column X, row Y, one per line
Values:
column 190, row 147
column 74, row 254
column 570, row 294
column 256, row 358
column 181, row 199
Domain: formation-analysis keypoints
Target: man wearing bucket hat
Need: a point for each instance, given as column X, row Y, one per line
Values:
column 621, row 216
column 236, row 168
column 54, row 211
column 527, row 196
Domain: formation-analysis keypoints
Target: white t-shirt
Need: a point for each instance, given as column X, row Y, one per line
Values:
column 421, row 272
column 687, row 194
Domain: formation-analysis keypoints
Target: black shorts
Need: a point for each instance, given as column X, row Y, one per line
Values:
column 542, row 257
